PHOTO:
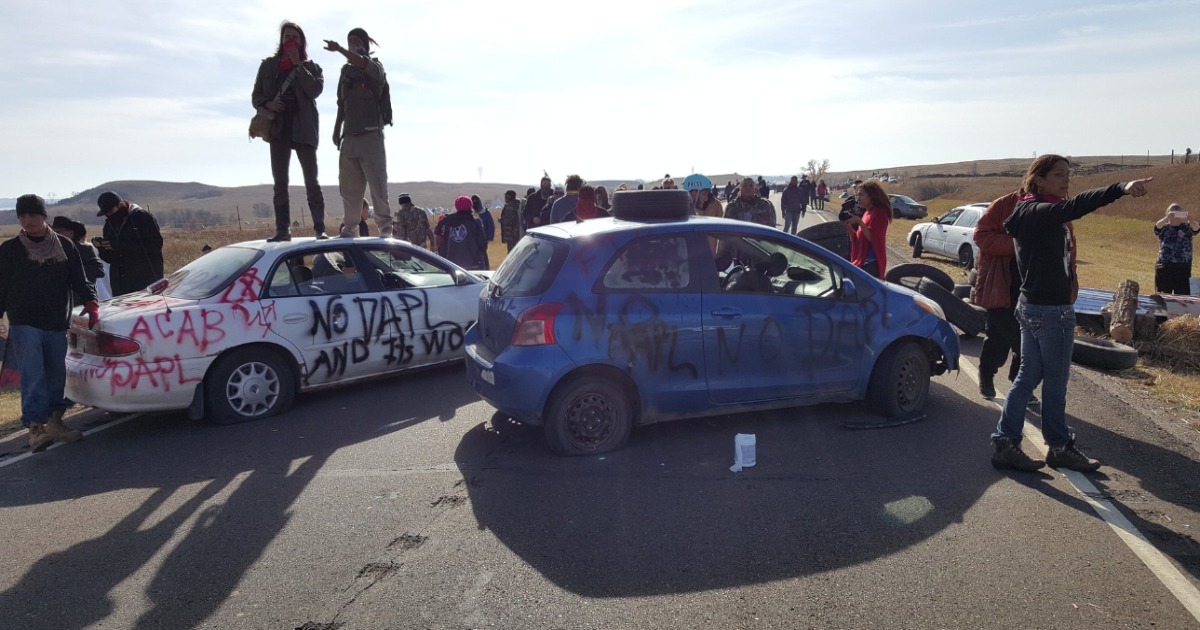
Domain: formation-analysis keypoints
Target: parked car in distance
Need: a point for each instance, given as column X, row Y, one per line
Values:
column 907, row 207
column 236, row 333
column 592, row 328
column 951, row 235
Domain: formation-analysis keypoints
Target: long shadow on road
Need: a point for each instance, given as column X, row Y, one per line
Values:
column 236, row 486
column 666, row 515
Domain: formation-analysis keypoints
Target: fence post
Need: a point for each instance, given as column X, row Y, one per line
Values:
column 238, row 209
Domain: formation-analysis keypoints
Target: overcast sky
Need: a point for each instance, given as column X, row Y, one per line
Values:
column 158, row 89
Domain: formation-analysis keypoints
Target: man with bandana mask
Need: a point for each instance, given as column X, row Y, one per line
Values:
column 39, row 271
column 363, row 108
column 132, row 244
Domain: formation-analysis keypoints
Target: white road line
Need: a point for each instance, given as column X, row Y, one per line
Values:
column 1159, row 564
column 23, row 456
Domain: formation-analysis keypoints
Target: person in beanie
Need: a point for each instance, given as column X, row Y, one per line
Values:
column 132, row 244
column 460, row 237
column 510, row 220
column 39, row 272
column 412, row 223
column 296, row 124
column 364, row 106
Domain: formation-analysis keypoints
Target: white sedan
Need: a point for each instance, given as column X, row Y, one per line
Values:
column 236, row 333
column 951, row 235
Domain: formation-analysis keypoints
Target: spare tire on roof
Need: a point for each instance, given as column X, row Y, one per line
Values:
column 640, row 205
column 831, row 235
column 919, row 270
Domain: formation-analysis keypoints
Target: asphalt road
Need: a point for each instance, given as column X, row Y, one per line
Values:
column 400, row 504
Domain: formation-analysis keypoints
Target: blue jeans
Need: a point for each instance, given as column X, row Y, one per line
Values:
column 791, row 222
column 41, row 357
column 1047, row 338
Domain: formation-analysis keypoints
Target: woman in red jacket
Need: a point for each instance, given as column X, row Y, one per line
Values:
column 868, row 234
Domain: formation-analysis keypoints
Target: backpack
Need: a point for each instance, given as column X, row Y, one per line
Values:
column 383, row 96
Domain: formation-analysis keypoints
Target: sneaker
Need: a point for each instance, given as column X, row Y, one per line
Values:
column 1009, row 456
column 1070, row 458
column 346, row 233
column 38, row 439
column 322, row 235
column 385, row 233
column 987, row 386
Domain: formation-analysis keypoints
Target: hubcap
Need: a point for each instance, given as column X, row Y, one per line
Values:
column 252, row 389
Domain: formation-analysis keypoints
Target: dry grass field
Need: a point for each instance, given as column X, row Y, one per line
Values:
column 1115, row 243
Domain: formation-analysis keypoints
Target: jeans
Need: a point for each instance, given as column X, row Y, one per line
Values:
column 791, row 222
column 281, row 157
column 1003, row 336
column 41, row 357
column 1047, row 338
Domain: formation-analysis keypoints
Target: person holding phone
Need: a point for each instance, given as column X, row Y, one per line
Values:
column 1173, row 269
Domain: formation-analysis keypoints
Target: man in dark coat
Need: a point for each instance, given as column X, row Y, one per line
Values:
column 460, row 237
column 535, row 202
column 132, row 244
column 39, row 271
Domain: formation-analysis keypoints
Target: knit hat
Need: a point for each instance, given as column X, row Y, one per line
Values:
column 462, row 203
column 107, row 201
column 31, row 204
column 404, row 198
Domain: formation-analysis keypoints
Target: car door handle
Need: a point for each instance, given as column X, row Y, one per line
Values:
column 727, row 312
column 295, row 318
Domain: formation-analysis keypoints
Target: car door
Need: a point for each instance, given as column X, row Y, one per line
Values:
column 935, row 236
column 314, row 294
column 788, row 334
column 961, row 231
column 426, row 305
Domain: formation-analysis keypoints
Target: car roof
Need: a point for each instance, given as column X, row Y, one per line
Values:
column 592, row 227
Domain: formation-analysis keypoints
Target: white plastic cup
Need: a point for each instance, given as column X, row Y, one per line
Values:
column 744, row 450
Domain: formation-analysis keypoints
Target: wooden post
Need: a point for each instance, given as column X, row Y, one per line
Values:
column 1124, row 310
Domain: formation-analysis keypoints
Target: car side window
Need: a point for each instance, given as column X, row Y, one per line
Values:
column 969, row 219
column 334, row 272
column 292, row 277
column 754, row 265
column 951, row 217
column 647, row 264
column 400, row 268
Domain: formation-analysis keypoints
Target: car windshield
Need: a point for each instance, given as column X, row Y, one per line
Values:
column 209, row 273
column 906, row 199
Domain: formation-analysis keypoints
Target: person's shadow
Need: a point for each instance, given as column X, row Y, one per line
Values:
column 248, row 480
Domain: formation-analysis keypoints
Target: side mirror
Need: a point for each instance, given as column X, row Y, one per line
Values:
column 849, row 291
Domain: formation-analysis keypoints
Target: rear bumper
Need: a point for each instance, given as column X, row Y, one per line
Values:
column 519, row 380
column 132, row 384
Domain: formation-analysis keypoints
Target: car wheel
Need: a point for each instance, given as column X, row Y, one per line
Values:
column 588, row 415
column 248, row 384
column 917, row 246
column 1105, row 354
column 899, row 381
column 919, row 270
column 896, row 213
column 966, row 257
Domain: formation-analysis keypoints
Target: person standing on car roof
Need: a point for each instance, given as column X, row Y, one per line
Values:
column 1045, row 310
column 40, row 271
column 132, row 244
column 1173, row 269
column 460, row 237
column 749, row 206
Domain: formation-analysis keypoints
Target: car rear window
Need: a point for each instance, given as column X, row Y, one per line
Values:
column 210, row 273
column 530, row 267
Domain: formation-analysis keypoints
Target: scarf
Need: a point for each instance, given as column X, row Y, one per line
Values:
column 285, row 61
column 47, row 250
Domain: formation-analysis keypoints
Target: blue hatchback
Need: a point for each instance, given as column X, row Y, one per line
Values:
column 591, row 328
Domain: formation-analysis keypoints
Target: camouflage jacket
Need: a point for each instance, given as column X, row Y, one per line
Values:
column 510, row 223
column 754, row 209
column 412, row 225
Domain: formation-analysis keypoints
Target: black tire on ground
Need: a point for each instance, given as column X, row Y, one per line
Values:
column 899, row 381
column 588, row 415
column 966, row 257
column 1105, row 354
column 831, row 235
column 959, row 313
column 920, row 270
column 248, row 384
column 962, row 291
column 917, row 246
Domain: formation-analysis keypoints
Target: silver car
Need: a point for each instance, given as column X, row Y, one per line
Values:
column 907, row 207
column 951, row 235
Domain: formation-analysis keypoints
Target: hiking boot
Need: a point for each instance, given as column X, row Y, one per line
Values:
column 987, row 386
column 38, row 439
column 281, row 236
column 346, row 233
column 1070, row 458
column 1009, row 456
column 321, row 235
column 59, row 431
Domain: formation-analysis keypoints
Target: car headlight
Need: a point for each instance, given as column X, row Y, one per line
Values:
column 929, row 305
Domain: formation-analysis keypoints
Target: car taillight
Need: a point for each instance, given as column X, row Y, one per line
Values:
column 113, row 346
column 535, row 326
